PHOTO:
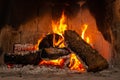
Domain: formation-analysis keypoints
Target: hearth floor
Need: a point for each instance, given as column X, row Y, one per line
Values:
column 30, row 72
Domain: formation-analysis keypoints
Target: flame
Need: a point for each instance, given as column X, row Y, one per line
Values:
column 37, row 45
column 87, row 39
column 75, row 63
column 83, row 31
column 59, row 27
column 57, row 62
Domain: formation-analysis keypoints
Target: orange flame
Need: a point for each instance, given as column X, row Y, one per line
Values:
column 37, row 45
column 75, row 63
column 83, row 31
column 60, row 26
column 59, row 29
column 87, row 39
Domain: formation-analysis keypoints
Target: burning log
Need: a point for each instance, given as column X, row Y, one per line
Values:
column 90, row 56
column 54, row 53
column 30, row 58
column 47, row 41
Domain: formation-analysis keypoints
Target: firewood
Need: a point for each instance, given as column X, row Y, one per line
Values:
column 47, row 41
column 54, row 53
column 90, row 56
column 30, row 58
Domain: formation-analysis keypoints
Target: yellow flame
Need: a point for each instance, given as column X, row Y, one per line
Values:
column 38, row 42
column 84, row 30
column 87, row 39
column 75, row 63
column 60, row 26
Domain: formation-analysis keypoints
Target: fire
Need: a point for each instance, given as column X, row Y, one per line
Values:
column 59, row 43
column 83, row 31
column 36, row 46
column 75, row 63
column 59, row 27
column 57, row 62
column 87, row 39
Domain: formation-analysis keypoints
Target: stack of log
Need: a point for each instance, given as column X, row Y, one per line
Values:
column 75, row 43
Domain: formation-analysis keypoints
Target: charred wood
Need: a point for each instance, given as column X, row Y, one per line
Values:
column 90, row 56
column 30, row 58
column 54, row 53
column 47, row 41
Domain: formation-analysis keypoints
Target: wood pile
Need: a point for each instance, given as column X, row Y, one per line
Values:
column 75, row 43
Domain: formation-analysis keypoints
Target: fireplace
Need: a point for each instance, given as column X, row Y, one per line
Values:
column 93, row 21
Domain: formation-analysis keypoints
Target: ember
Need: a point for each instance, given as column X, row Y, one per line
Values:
column 75, row 63
column 57, row 62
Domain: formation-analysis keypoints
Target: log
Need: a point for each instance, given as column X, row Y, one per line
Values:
column 30, row 58
column 47, row 41
column 90, row 56
column 54, row 53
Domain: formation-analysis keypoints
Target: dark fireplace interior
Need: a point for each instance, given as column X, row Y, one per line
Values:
column 25, row 22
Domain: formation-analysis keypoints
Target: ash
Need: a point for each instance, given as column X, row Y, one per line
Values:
column 30, row 69
column 30, row 72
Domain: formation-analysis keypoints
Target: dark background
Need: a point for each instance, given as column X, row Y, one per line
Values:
column 16, row 12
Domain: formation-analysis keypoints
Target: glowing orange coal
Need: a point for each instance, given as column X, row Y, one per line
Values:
column 57, row 62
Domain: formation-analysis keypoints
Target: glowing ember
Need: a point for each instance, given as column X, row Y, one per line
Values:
column 57, row 62
column 75, row 63
column 9, row 65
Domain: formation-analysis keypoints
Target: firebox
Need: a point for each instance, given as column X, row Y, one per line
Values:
column 78, row 35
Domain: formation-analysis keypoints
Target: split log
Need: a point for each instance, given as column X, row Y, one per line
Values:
column 54, row 53
column 47, row 41
column 90, row 56
column 30, row 58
